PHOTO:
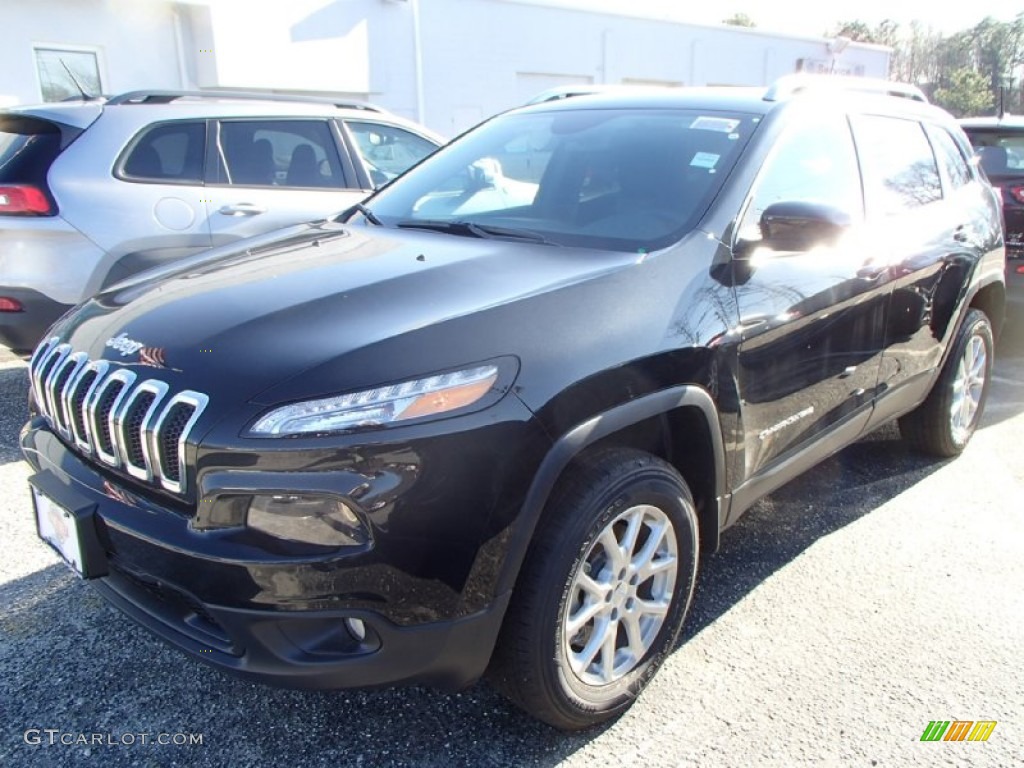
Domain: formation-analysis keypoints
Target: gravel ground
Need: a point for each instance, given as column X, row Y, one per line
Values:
column 844, row 612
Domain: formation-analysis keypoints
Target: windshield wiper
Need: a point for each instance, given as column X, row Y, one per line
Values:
column 369, row 215
column 473, row 229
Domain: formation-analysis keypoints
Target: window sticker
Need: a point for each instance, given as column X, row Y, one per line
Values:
column 718, row 124
column 705, row 160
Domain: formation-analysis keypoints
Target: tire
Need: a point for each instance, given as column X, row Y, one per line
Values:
column 943, row 424
column 561, row 673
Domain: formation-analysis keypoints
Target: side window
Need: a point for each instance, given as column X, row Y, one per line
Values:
column 386, row 150
column 899, row 167
column 167, row 153
column 951, row 159
column 814, row 162
column 278, row 153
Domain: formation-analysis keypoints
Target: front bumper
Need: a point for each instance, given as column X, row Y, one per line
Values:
column 312, row 649
column 21, row 331
column 279, row 616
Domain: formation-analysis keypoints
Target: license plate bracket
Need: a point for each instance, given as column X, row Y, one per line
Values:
column 71, row 532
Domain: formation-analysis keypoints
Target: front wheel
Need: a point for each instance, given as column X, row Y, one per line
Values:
column 943, row 424
column 603, row 592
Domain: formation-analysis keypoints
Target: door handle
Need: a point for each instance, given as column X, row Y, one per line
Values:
column 242, row 209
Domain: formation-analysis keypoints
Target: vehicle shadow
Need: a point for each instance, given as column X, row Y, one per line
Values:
column 14, row 410
column 776, row 530
column 1006, row 398
column 73, row 663
column 840, row 490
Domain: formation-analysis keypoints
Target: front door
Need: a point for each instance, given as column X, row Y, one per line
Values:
column 812, row 322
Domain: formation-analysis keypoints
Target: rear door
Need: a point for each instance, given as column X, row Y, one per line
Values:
column 930, row 219
column 271, row 173
column 155, row 213
column 811, row 322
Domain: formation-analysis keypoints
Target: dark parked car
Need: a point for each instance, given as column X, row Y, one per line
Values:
column 999, row 142
column 496, row 418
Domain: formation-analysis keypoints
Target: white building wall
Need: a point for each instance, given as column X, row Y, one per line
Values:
column 474, row 66
column 478, row 57
column 299, row 45
column 135, row 42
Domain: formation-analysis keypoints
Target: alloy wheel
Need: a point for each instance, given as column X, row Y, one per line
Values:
column 620, row 595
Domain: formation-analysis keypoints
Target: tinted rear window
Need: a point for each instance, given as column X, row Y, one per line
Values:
column 168, row 153
column 1001, row 152
column 27, row 148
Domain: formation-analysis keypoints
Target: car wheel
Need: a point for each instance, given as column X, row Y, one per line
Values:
column 603, row 591
column 944, row 423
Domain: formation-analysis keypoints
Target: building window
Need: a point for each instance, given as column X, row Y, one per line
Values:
column 60, row 69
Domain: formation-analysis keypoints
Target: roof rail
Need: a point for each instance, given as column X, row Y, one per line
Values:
column 166, row 97
column 790, row 85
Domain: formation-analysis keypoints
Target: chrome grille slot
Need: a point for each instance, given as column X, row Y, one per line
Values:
column 106, row 402
column 35, row 367
column 64, row 376
column 132, row 421
column 79, row 392
column 167, row 437
column 108, row 412
column 50, row 366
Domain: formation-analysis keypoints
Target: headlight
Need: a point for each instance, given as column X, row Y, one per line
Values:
column 385, row 405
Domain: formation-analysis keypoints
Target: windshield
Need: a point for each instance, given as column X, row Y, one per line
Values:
column 613, row 179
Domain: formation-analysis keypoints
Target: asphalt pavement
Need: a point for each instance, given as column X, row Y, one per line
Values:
column 845, row 612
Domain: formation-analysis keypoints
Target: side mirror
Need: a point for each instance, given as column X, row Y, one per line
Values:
column 797, row 226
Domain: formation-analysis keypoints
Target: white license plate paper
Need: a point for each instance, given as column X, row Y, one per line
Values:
column 57, row 528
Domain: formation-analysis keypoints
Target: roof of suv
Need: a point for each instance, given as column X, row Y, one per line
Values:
column 152, row 106
column 751, row 100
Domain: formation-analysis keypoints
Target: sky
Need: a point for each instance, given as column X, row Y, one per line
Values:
column 818, row 16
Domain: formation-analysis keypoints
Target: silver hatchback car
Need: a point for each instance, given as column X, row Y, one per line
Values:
column 92, row 192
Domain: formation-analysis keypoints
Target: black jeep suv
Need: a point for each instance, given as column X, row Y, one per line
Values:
column 493, row 419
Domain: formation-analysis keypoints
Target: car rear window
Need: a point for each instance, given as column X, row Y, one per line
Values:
column 167, row 153
column 28, row 146
column 1000, row 152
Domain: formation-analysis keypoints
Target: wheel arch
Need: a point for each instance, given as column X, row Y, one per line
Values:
column 991, row 299
column 662, row 423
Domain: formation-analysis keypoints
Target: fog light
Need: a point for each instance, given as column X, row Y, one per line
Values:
column 356, row 628
column 322, row 520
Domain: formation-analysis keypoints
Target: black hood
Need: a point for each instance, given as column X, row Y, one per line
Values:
column 256, row 318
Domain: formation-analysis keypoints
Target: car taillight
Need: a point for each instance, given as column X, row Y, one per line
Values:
column 7, row 304
column 1017, row 193
column 23, row 198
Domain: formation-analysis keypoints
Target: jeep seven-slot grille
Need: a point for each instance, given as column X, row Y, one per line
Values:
column 106, row 412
